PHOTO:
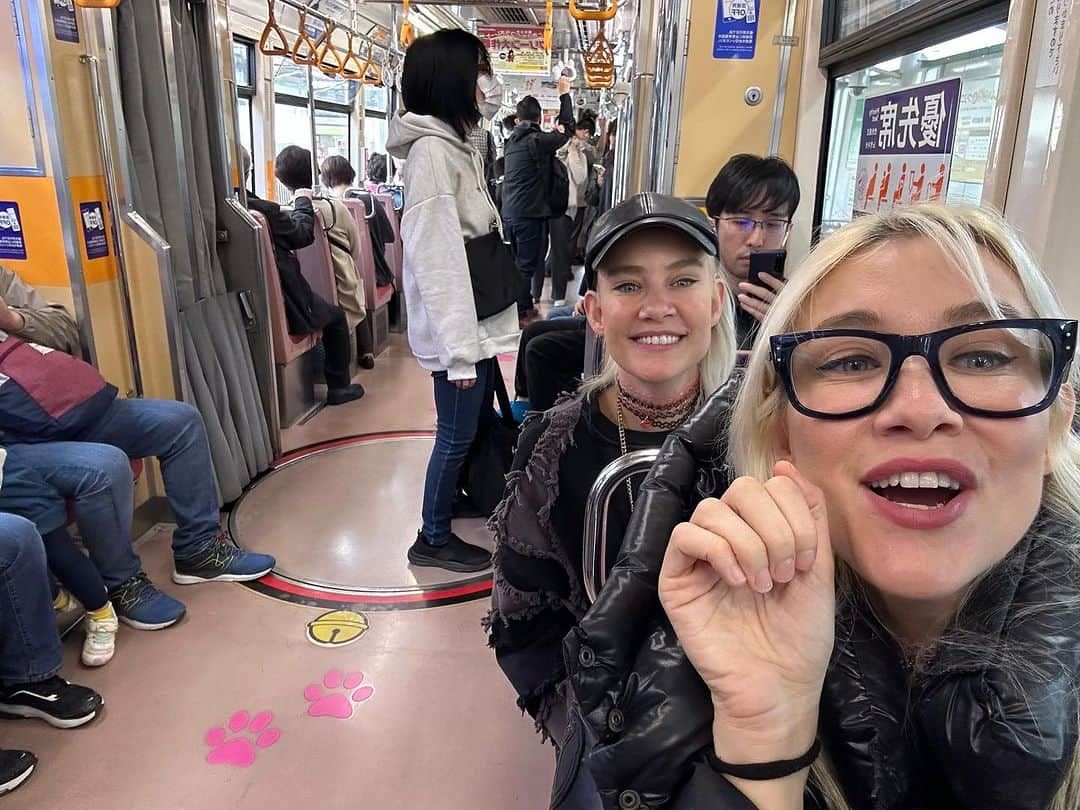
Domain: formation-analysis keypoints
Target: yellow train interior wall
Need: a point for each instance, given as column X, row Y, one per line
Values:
column 716, row 120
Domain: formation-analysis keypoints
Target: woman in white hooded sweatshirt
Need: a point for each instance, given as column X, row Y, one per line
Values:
column 446, row 80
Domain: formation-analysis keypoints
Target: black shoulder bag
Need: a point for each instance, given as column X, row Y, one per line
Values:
column 496, row 281
column 483, row 475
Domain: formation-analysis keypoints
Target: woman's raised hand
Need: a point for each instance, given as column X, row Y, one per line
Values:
column 748, row 587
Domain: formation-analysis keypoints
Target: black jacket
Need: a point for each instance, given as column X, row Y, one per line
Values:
column 305, row 310
column 962, row 733
column 523, row 188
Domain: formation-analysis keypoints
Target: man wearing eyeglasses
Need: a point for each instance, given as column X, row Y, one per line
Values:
column 751, row 202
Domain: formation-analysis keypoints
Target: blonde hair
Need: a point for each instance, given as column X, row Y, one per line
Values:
column 715, row 367
column 961, row 233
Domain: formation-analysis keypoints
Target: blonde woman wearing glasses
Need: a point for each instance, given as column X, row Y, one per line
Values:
column 751, row 202
column 883, row 610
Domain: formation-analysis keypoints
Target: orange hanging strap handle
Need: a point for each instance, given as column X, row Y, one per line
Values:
column 407, row 35
column 329, row 57
column 351, row 66
column 599, row 59
column 272, row 28
column 372, row 72
column 97, row 3
column 303, row 41
column 547, row 26
column 595, row 16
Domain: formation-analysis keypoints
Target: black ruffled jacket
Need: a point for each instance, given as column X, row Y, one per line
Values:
column 990, row 722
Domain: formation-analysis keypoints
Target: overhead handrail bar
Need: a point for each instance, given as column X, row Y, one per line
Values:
column 594, row 16
column 272, row 27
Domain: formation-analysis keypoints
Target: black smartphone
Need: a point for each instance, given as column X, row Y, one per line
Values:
column 766, row 262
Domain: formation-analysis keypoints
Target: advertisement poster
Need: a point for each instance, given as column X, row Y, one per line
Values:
column 736, row 29
column 93, row 229
column 65, row 27
column 906, row 146
column 516, row 49
column 12, row 241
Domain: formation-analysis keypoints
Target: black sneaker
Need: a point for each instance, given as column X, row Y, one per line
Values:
column 57, row 702
column 339, row 396
column 463, row 508
column 15, row 768
column 456, row 555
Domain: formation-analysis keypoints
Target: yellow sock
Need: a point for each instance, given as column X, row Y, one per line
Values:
column 102, row 613
column 62, row 600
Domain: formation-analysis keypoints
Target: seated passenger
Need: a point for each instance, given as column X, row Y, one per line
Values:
column 26, row 492
column 91, row 466
column 550, row 361
column 657, row 299
column 337, row 174
column 30, row 652
column 752, row 201
column 25, row 314
column 446, row 205
column 896, row 416
column 305, row 311
column 376, row 172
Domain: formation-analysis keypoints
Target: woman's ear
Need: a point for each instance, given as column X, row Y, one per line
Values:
column 718, row 300
column 593, row 312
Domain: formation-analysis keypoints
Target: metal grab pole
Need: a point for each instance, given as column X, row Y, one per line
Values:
column 114, row 220
column 782, row 77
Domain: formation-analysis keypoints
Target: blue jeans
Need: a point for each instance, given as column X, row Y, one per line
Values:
column 29, row 644
column 95, row 473
column 559, row 312
column 460, row 414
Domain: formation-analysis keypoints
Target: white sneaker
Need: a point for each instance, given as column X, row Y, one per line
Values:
column 560, row 303
column 100, row 643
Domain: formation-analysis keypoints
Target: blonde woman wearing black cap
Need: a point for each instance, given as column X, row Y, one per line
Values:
column 657, row 300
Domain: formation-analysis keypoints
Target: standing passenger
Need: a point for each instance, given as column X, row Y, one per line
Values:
column 446, row 204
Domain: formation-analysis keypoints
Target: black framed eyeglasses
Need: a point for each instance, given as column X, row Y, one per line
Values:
column 1001, row 369
column 773, row 229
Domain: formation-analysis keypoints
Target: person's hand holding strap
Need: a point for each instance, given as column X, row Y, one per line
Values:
column 748, row 587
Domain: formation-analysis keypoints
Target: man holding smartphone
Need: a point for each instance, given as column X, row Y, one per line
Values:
column 751, row 202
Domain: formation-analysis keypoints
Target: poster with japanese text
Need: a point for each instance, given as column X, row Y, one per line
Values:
column 906, row 146
column 516, row 49
column 735, row 36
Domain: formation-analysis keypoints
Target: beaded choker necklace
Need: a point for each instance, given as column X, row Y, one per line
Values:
column 664, row 415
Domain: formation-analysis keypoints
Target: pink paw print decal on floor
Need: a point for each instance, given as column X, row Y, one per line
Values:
column 339, row 704
column 240, row 750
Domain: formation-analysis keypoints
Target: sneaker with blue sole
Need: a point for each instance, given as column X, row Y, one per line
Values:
column 139, row 604
column 222, row 562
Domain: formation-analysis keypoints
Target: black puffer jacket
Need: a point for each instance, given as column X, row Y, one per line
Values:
column 991, row 722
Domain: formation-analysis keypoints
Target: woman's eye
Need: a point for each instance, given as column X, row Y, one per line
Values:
column 852, row 364
column 686, row 282
column 627, row 287
column 981, row 361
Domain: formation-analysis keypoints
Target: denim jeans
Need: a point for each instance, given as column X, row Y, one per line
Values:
column 528, row 241
column 29, row 644
column 94, row 472
column 460, row 415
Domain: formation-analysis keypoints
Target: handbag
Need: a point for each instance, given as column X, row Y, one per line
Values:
column 48, row 395
column 496, row 281
column 483, row 475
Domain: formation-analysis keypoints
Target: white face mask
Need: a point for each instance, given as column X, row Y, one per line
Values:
column 493, row 91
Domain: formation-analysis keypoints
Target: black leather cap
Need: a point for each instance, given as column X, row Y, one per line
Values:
column 646, row 210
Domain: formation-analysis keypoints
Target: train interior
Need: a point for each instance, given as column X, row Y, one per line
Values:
column 346, row 677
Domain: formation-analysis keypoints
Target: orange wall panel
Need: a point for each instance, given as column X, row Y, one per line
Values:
column 92, row 189
column 45, row 263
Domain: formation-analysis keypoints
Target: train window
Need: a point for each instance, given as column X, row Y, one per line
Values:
column 332, row 134
column 375, row 98
column 853, row 16
column 975, row 57
column 374, row 134
column 244, row 63
column 289, row 79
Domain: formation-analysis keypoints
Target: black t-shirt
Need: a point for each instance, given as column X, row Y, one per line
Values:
column 595, row 445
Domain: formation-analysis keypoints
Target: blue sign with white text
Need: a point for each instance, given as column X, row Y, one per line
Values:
column 65, row 26
column 93, row 229
column 12, row 240
column 736, row 29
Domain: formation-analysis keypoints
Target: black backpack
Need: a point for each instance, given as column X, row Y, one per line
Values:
column 554, row 180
